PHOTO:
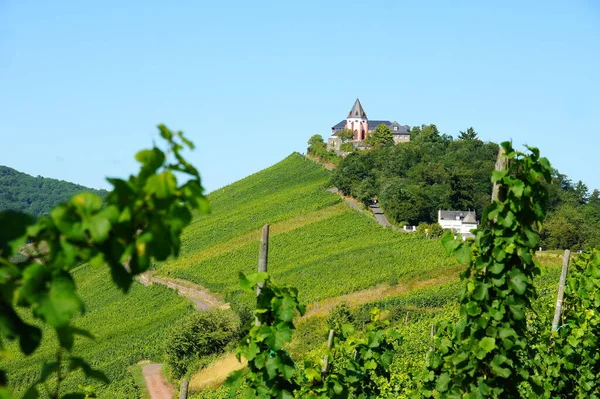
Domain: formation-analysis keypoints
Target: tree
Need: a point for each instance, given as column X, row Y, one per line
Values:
column 399, row 203
column 200, row 334
column 595, row 197
column 427, row 133
column 564, row 229
column 381, row 137
column 470, row 134
column 582, row 193
column 346, row 135
column 316, row 145
column 316, row 139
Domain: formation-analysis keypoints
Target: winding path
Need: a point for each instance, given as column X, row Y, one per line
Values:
column 375, row 209
column 200, row 296
column 157, row 385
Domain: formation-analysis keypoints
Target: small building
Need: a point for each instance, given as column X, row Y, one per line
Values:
column 460, row 222
column 358, row 122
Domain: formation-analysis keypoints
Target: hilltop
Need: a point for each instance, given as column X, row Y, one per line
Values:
column 35, row 195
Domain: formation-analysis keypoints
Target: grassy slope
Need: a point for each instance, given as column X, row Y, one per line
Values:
column 128, row 328
column 318, row 243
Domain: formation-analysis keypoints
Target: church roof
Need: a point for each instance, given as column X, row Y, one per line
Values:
column 357, row 110
column 402, row 129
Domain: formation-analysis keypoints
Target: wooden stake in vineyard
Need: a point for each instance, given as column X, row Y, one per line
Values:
column 501, row 164
column 183, row 392
column 561, row 290
column 326, row 358
column 263, row 258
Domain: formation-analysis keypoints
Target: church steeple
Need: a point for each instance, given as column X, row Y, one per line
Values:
column 357, row 111
column 357, row 121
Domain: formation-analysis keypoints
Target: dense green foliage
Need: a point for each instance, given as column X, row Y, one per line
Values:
column 575, row 347
column 315, row 238
column 35, row 195
column 199, row 334
column 482, row 355
column 271, row 370
column 434, row 171
column 318, row 148
column 360, row 363
column 574, row 218
column 413, row 180
column 140, row 222
column 381, row 136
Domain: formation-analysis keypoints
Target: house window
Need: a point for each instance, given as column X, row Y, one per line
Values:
column 396, row 128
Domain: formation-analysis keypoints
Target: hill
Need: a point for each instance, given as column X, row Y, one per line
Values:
column 35, row 195
column 318, row 243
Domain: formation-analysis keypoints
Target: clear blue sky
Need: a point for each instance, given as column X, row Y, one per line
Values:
column 83, row 84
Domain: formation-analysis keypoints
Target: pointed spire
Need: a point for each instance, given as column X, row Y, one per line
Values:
column 357, row 111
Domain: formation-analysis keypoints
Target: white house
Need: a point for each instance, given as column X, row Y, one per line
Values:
column 461, row 222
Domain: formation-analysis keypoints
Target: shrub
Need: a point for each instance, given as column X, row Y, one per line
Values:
column 430, row 230
column 339, row 316
column 347, row 147
column 200, row 334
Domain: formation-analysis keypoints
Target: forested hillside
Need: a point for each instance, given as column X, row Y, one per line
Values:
column 35, row 195
column 436, row 171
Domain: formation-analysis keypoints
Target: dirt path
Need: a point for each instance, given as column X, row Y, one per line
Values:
column 375, row 209
column 156, row 383
column 202, row 297
column 378, row 292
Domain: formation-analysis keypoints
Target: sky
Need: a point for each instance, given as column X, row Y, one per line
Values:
column 84, row 84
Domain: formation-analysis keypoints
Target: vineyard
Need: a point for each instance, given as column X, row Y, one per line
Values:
column 411, row 314
column 316, row 239
column 127, row 328
column 290, row 188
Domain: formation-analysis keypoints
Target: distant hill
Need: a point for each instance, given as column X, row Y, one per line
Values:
column 35, row 195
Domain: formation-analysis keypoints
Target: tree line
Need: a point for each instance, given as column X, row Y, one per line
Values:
column 433, row 171
column 35, row 196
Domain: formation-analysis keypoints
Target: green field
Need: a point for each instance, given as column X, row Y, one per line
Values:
column 128, row 328
column 318, row 243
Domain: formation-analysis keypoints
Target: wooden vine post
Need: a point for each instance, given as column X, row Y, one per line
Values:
column 326, row 358
column 561, row 290
column 263, row 259
column 501, row 164
column 183, row 392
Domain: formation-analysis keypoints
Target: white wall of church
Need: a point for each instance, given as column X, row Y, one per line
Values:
column 356, row 124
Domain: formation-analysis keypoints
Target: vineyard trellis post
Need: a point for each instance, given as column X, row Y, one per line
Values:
column 561, row 290
column 501, row 164
column 263, row 258
column 183, row 391
column 326, row 357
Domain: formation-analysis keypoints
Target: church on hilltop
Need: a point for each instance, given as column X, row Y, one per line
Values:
column 358, row 122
